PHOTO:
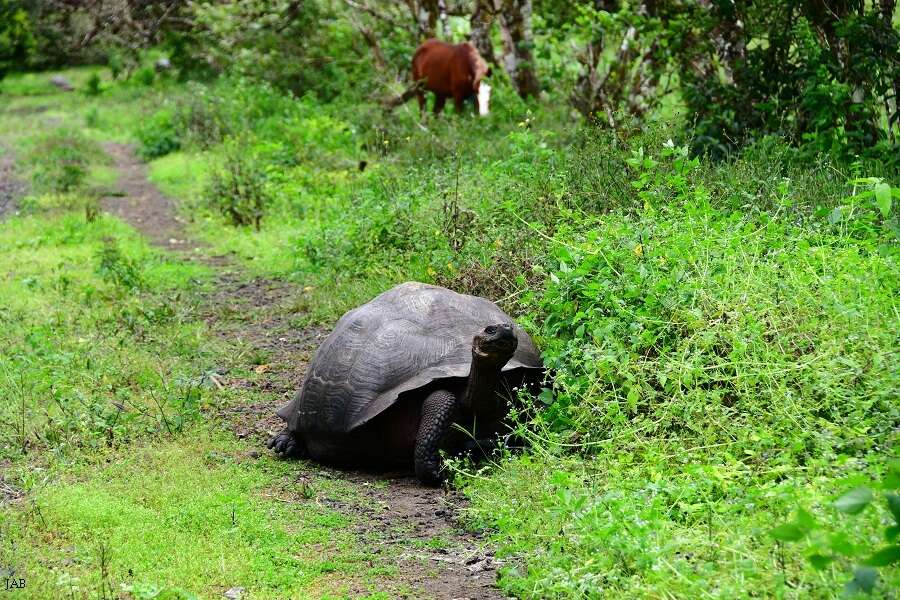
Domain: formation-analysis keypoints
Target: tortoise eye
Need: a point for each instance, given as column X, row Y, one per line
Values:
column 490, row 330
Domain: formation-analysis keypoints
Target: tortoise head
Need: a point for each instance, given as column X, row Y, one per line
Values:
column 496, row 344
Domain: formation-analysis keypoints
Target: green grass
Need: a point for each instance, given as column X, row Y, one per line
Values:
column 111, row 433
column 185, row 513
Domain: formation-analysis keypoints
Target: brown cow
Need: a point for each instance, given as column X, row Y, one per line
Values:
column 450, row 71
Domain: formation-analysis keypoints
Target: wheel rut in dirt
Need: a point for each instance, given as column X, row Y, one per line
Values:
column 413, row 528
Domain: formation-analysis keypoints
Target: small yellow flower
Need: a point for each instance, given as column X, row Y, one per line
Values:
column 639, row 250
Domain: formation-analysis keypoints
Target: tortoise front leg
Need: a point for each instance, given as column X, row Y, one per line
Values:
column 438, row 413
column 287, row 445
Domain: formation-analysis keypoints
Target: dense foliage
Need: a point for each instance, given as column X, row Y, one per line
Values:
column 16, row 38
column 822, row 75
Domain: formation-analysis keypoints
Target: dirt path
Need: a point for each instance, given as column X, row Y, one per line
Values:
column 11, row 186
column 390, row 512
column 142, row 205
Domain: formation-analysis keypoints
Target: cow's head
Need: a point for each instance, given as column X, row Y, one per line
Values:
column 484, row 98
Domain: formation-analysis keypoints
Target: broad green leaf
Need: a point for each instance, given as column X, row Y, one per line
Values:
column 892, row 478
column 805, row 521
column 864, row 579
column 820, row 561
column 891, row 533
column 546, row 396
column 893, row 501
column 835, row 215
column 787, row 532
column 839, row 544
column 884, row 557
column 883, row 198
column 854, row 501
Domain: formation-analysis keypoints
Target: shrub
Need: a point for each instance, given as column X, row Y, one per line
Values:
column 145, row 76
column 158, row 135
column 824, row 76
column 61, row 159
column 16, row 37
column 236, row 186
column 93, row 85
column 116, row 268
column 293, row 45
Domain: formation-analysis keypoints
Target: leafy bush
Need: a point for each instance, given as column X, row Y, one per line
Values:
column 236, row 186
column 159, row 135
column 714, row 356
column 93, row 87
column 116, row 268
column 295, row 46
column 644, row 322
column 16, row 37
column 61, row 159
column 145, row 76
column 823, row 77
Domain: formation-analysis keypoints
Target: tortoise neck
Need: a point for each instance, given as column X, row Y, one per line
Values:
column 480, row 394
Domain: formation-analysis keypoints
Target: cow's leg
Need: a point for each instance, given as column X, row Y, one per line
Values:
column 439, row 101
column 458, row 102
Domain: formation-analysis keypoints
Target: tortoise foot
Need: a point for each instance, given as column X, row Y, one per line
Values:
column 287, row 445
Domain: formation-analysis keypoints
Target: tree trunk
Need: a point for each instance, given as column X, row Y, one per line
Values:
column 482, row 20
column 515, row 24
column 425, row 13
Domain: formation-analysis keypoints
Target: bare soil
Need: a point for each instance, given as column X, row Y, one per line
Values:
column 414, row 528
column 142, row 205
column 12, row 187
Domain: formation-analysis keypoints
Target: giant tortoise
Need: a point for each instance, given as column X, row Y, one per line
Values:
column 395, row 375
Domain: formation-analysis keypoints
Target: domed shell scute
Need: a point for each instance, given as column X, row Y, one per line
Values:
column 404, row 339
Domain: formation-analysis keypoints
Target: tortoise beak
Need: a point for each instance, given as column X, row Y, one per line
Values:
column 497, row 339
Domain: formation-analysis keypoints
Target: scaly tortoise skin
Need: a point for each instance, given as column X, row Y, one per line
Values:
column 387, row 385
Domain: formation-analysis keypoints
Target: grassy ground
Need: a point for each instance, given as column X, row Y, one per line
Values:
column 723, row 338
column 111, row 436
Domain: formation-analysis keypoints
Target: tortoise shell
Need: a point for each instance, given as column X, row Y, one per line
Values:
column 405, row 339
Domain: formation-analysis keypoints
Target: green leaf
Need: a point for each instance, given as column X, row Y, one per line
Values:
column 805, row 521
column 892, row 479
column 835, row 215
column 546, row 396
column 854, row 501
column 787, row 532
column 883, row 198
column 839, row 544
column 891, row 533
column 864, row 579
column 820, row 561
column 893, row 501
column 884, row 557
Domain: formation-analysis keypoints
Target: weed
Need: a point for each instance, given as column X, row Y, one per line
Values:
column 60, row 160
column 833, row 540
column 158, row 135
column 117, row 269
column 93, row 87
column 145, row 76
column 236, row 188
